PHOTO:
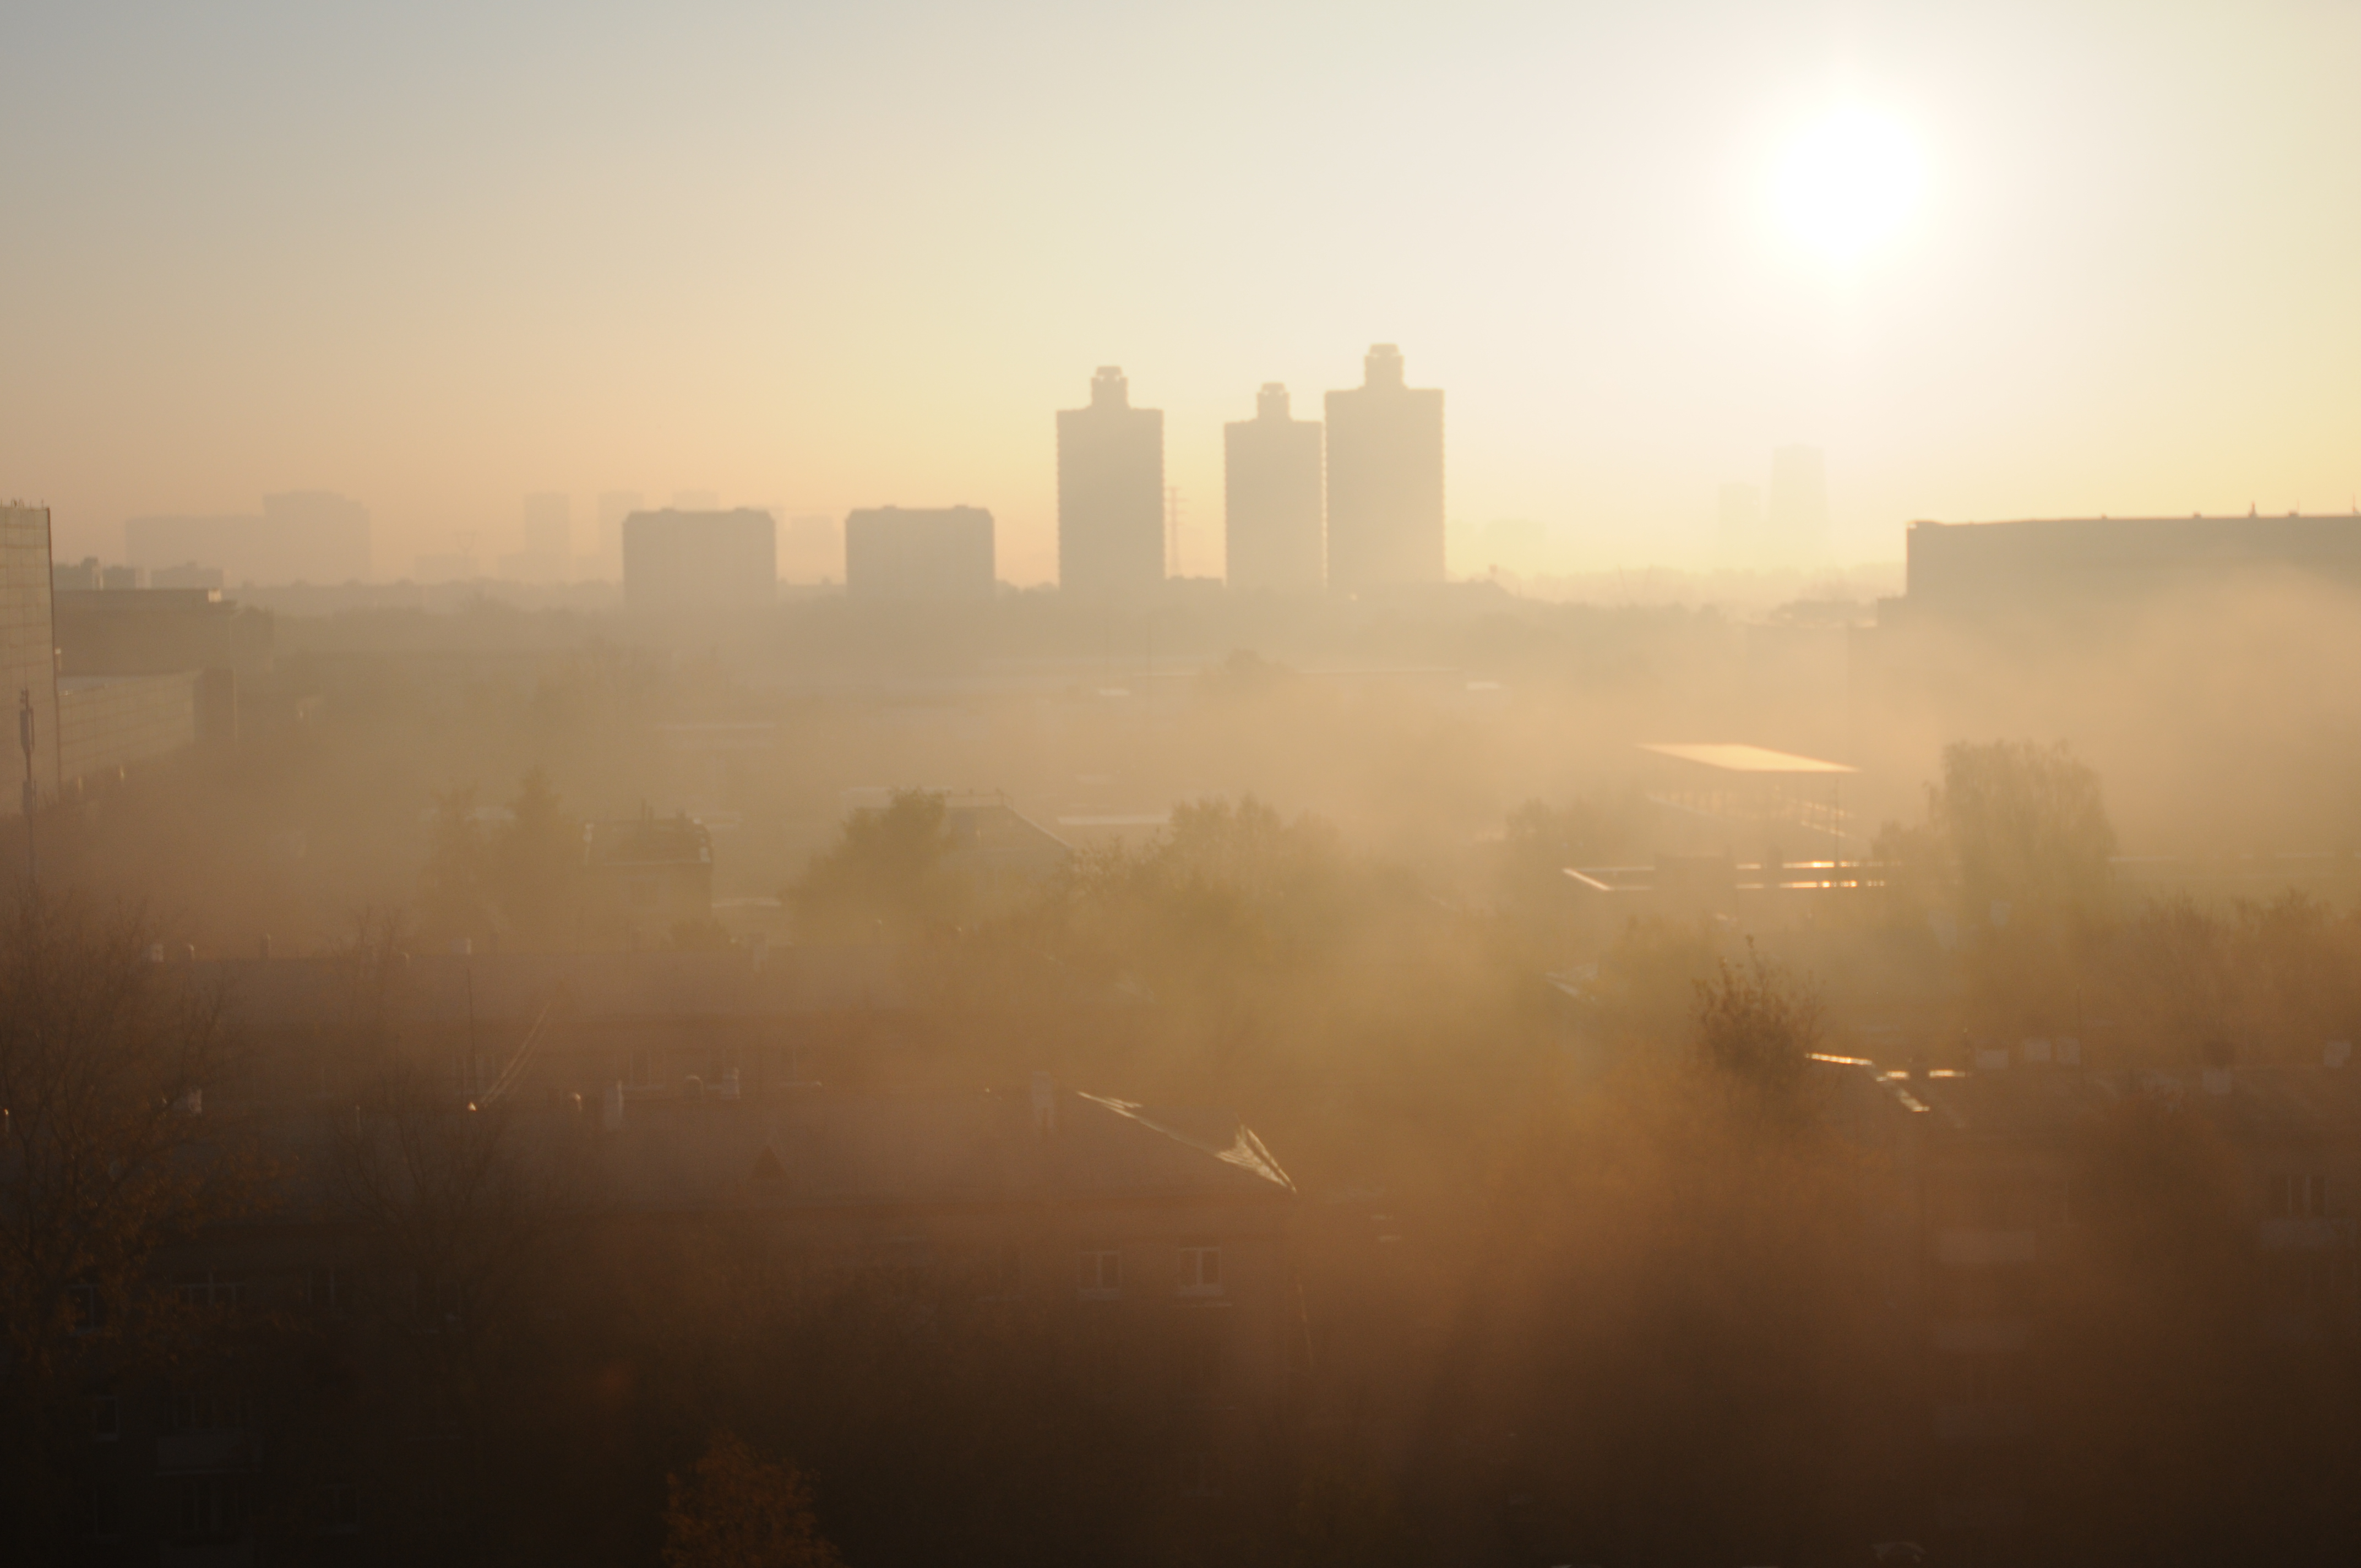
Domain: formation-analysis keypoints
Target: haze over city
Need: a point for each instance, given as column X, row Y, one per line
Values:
column 1304, row 786
column 437, row 259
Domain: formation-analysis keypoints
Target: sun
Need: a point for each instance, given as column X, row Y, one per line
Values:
column 1848, row 184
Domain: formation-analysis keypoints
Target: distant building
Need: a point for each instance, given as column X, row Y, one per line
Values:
column 2009, row 572
column 187, row 575
column 1799, row 506
column 940, row 552
column 1270, row 499
column 684, row 562
column 547, row 555
column 304, row 536
column 89, row 723
column 1384, row 480
column 1110, row 492
column 27, row 652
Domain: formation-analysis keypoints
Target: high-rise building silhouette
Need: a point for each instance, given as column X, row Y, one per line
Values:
column 1270, row 498
column 1110, row 492
column 928, row 553
column 1799, row 506
column 1384, row 480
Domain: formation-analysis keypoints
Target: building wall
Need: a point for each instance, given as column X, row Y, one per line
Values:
column 941, row 552
column 153, row 631
column 1271, row 500
column 1110, row 492
column 676, row 561
column 1997, row 568
column 1384, row 480
column 27, row 656
column 107, row 723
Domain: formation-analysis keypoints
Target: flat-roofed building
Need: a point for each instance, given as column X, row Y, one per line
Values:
column 1110, row 492
column 2007, row 571
column 151, row 632
column 918, row 553
column 683, row 562
column 1272, row 500
column 1384, row 480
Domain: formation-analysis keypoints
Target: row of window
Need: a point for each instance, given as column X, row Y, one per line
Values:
column 1100, row 1273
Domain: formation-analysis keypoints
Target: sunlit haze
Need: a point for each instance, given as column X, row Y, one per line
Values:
column 1993, row 260
column 1848, row 184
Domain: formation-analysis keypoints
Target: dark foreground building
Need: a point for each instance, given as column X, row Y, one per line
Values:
column 474, row 1334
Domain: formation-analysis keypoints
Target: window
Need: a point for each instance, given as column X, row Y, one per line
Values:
column 89, row 1313
column 208, row 1508
column 204, row 1410
column 105, row 1417
column 103, row 1508
column 638, row 1072
column 324, row 1291
column 1201, row 1268
column 208, row 1290
column 2299, row 1196
column 1101, row 1270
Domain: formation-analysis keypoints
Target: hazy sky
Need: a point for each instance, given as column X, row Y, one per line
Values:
column 438, row 255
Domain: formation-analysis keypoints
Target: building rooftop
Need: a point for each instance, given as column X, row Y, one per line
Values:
column 1728, row 757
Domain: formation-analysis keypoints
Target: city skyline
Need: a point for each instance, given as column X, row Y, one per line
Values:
column 2128, row 233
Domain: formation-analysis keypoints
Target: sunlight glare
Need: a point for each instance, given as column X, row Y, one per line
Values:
column 1849, row 184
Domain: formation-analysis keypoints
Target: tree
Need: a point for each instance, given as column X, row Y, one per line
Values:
column 885, row 872
column 457, row 1205
column 532, row 861
column 738, row 1509
column 2023, row 825
column 107, row 1155
column 2017, row 843
column 1755, row 1028
column 454, row 897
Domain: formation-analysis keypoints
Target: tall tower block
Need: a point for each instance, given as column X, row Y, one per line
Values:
column 1270, row 496
column 1110, row 492
column 1384, row 480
